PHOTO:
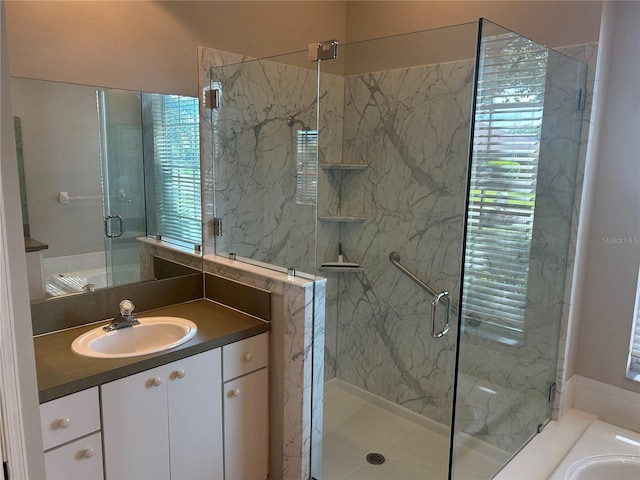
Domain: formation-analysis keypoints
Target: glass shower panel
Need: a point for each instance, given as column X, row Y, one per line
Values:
column 394, row 132
column 526, row 132
column 265, row 149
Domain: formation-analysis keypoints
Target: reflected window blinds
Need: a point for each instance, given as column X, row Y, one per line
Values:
column 177, row 166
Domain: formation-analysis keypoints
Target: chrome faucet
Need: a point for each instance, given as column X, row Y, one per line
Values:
column 124, row 319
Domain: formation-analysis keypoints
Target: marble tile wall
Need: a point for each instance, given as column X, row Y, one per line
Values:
column 411, row 126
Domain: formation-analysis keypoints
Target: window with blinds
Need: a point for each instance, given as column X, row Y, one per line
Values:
column 502, row 195
column 306, row 167
column 634, row 356
column 176, row 143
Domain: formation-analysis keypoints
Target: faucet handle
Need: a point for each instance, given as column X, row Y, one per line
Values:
column 126, row 308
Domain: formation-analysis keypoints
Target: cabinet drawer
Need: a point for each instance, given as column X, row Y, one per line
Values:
column 70, row 417
column 245, row 356
column 79, row 460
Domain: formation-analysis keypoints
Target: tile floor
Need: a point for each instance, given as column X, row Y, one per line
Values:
column 354, row 427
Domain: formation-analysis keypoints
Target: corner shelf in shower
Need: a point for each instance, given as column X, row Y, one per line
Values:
column 342, row 269
column 341, row 218
column 344, row 166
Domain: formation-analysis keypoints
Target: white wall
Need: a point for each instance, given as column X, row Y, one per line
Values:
column 61, row 152
column 554, row 23
column 152, row 46
column 18, row 393
column 613, row 255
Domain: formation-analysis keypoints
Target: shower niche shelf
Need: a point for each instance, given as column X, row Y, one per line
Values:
column 342, row 269
column 344, row 166
column 341, row 218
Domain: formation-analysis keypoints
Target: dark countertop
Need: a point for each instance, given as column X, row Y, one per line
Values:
column 61, row 372
column 33, row 245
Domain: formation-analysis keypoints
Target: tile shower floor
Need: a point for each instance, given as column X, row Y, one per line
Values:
column 354, row 427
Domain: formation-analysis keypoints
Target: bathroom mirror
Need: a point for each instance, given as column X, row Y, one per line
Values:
column 109, row 179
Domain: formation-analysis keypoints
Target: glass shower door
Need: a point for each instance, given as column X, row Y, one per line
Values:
column 525, row 140
column 394, row 135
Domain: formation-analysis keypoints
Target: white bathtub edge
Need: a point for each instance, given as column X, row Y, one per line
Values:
column 540, row 457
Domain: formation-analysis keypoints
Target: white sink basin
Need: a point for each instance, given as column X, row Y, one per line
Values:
column 152, row 335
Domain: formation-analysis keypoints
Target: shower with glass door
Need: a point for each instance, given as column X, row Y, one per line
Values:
column 429, row 177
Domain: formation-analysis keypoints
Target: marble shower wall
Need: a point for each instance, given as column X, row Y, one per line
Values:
column 411, row 126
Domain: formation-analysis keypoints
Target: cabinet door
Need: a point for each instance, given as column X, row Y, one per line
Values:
column 195, row 417
column 246, row 427
column 135, row 426
column 78, row 460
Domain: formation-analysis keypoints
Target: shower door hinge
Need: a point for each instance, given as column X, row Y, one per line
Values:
column 213, row 98
column 217, row 227
column 327, row 50
column 552, row 393
column 582, row 98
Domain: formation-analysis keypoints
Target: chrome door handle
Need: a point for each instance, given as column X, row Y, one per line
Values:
column 107, row 230
column 434, row 308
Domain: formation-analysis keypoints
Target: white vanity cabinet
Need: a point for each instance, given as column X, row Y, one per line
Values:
column 246, row 409
column 71, row 437
column 165, row 423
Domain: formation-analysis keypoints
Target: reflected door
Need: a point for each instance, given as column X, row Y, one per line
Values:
column 122, row 183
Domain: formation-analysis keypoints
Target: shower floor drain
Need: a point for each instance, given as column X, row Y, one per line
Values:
column 375, row 458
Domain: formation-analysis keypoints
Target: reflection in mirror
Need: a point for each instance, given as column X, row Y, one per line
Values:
column 107, row 174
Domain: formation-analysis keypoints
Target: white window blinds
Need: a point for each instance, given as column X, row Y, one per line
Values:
column 502, row 195
column 306, row 167
column 177, row 168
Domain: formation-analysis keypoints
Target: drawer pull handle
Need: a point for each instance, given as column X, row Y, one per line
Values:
column 248, row 357
column 64, row 422
column 180, row 373
column 88, row 452
column 157, row 381
column 234, row 393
